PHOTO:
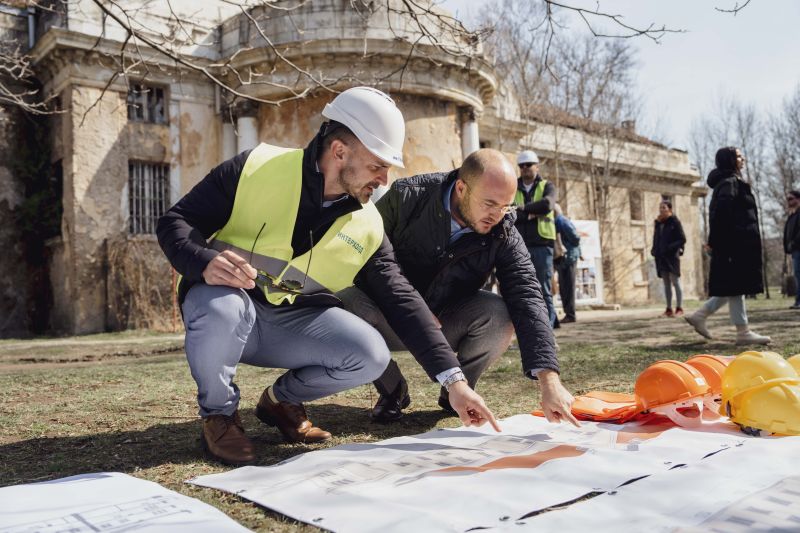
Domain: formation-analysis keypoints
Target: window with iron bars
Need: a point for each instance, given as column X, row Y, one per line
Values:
column 146, row 104
column 148, row 195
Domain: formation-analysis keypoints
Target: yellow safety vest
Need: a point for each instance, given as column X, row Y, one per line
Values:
column 544, row 223
column 263, row 220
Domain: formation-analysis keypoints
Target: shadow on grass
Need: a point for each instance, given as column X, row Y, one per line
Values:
column 46, row 458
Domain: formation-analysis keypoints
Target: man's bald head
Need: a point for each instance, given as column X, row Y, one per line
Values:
column 489, row 166
column 484, row 191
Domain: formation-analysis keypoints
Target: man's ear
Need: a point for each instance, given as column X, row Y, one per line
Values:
column 338, row 150
column 461, row 187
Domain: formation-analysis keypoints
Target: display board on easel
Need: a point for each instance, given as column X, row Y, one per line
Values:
column 589, row 270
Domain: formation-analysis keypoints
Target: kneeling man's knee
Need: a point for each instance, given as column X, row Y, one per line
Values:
column 374, row 355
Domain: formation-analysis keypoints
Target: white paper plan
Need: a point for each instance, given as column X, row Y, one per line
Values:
column 755, row 486
column 454, row 480
column 108, row 502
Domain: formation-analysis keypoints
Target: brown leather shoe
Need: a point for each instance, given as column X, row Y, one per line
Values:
column 224, row 439
column 290, row 419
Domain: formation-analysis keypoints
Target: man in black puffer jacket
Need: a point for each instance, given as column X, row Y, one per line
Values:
column 448, row 231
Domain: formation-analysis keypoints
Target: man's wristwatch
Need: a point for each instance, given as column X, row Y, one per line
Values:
column 457, row 376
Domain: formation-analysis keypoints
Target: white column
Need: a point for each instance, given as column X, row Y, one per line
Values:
column 247, row 128
column 470, row 141
column 228, row 141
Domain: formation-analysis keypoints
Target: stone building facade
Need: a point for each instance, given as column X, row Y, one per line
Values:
column 128, row 147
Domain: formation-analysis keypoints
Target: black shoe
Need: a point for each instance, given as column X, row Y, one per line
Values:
column 567, row 320
column 390, row 407
column 444, row 403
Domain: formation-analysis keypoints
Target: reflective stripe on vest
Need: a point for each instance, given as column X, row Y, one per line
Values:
column 545, row 224
column 267, row 201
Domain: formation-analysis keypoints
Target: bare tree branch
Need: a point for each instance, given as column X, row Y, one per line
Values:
column 587, row 15
column 736, row 8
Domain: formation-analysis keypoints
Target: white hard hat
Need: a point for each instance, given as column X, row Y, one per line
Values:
column 527, row 156
column 374, row 118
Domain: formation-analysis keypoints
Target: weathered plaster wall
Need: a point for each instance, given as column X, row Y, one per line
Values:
column 199, row 140
column 433, row 135
column 292, row 124
column 95, row 176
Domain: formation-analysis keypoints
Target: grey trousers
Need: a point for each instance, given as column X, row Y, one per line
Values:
column 736, row 308
column 670, row 280
column 326, row 349
column 478, row 329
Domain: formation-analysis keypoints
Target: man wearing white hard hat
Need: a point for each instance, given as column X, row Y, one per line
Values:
column 535, row 200
column 263, row 243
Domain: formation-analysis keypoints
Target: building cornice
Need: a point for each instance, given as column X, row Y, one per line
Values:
column 394, row 66
column 60, row 49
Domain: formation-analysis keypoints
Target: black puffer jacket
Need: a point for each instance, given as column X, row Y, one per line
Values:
column 419, row 228
column 668, row 242
column 734, row 236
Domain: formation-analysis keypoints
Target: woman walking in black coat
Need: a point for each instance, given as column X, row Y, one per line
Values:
column 668, row 242
column 734, row 242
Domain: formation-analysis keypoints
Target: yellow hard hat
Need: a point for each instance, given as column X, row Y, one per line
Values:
column 751, row 369
column 795, row 362
column 773, row 407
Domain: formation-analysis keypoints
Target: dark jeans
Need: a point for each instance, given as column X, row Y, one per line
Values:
column 542, row 257
column 478, row 329
column 796, row 264
column 566, row 285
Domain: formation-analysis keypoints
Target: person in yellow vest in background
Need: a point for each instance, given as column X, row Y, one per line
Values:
column 535, row 200
column 263, row 243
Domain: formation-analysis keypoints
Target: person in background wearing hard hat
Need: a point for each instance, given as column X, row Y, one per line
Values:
column 791, row 240
column 734, row 242
column 449, row 229
column 264, row 242
column 535, row 200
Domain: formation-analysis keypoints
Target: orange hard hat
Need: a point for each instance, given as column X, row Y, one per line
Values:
column 712, row 367
column 666, row 382
column 673, row 389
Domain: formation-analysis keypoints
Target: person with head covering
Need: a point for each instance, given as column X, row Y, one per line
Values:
column 535, row 199
column 263, row 243
column 668, row 243
column 734, row 242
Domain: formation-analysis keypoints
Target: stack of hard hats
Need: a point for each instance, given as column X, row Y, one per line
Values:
column 711, row 367
column 668, row 388
column 673, row 389
column 761, row 393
